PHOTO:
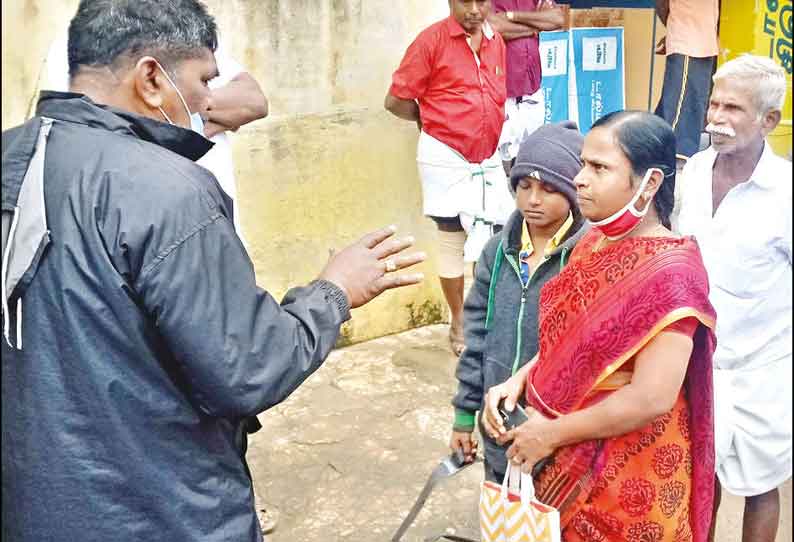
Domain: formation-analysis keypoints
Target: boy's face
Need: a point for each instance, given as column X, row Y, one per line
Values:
column 541, row 205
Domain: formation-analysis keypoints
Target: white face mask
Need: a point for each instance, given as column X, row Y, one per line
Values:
column 196, row 122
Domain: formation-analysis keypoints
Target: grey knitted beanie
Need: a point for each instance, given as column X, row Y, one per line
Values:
column 553, row 151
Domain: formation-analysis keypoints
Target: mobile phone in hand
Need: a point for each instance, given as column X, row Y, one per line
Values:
column 514, row 418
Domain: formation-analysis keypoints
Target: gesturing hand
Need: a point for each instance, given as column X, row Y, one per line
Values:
column 365, row 269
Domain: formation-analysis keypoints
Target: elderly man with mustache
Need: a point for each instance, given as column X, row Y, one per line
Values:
column 737, row 203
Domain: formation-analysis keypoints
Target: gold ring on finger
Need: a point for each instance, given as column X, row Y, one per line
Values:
column 390, row 265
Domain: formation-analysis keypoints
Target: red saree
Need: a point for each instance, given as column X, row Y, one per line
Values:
column 656, row 483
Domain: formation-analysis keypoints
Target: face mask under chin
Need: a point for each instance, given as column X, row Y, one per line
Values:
column 621, row 223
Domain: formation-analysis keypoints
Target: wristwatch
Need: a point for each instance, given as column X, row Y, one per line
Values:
column 509, row 15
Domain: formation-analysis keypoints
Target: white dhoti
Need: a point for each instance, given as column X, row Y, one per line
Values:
column 521, row 119
column 478, row 193
column 752, row 422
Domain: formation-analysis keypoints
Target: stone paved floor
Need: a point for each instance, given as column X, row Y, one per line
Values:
column 344, row 458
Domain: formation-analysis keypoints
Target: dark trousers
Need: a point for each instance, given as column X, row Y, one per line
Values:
column 491, row 474
column 685, row 98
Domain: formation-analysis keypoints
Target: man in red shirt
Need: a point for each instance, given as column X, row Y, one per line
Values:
column 451, row 82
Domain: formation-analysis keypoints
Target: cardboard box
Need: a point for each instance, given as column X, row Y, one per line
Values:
column 596, row 17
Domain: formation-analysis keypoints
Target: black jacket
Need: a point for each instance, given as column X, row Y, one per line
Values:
column 501, row 332
column 146, row 342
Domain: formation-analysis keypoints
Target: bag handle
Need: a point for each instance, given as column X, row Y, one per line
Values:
column 526, row 488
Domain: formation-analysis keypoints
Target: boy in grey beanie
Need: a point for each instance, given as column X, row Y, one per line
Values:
column 500, row 314
column 553, row 152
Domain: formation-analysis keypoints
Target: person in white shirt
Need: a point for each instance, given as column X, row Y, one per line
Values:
column 737, row 202
column 236, row 99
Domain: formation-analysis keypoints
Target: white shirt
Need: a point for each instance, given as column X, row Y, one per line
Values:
column 55, row 76
column 747, row 251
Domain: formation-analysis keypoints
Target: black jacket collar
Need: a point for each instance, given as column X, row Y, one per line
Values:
column 78, row 108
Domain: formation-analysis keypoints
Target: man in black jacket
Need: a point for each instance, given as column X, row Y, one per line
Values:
column 136, row 342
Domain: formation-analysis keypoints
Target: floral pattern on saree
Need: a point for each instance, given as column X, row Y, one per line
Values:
column 655, row 483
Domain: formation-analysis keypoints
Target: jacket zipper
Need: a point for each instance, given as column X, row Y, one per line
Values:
column 520, row 310
column 524, row 289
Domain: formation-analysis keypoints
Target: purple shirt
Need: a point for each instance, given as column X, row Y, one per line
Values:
column 523, row 56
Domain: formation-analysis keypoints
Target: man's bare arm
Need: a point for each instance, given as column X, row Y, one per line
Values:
column 663, row 10
column 404, row 109
column 235, row 104
column 551, row 18
column 509, row 30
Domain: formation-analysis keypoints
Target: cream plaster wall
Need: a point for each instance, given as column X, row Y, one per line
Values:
column 328, row 163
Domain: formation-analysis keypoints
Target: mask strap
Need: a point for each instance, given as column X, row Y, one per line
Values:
column 176, row 88
column 630, row 205
column 166, row 116
column 638, row 193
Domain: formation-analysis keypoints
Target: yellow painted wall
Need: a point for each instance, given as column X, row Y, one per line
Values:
column 762, row 28
column 27, row 28
column 328, row 163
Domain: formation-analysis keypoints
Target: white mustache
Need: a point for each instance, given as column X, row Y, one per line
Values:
column 720, row 130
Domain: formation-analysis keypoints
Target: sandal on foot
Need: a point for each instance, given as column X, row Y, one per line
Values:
column 268, row 519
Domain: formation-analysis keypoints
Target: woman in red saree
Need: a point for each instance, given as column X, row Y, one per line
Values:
column 619, row 396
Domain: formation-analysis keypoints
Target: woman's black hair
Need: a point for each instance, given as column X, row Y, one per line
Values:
column 648, row 142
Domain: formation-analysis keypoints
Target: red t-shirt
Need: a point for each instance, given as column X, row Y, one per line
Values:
column 460, row 104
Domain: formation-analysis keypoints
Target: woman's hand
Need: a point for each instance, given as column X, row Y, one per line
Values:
column 510, row 391
column 533, row 440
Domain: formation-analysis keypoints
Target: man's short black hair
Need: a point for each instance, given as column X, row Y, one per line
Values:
column 107, row 32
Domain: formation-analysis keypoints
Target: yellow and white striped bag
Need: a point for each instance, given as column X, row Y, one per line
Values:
column 513, row 514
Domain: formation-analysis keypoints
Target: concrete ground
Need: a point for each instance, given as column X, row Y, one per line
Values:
column 345, row 457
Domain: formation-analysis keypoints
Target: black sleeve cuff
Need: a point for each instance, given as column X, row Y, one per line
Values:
column 335, row 296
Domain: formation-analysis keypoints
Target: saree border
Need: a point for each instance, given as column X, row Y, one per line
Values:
column 671, row 317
